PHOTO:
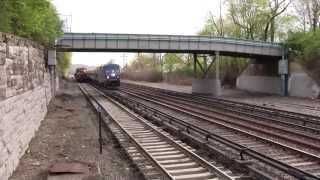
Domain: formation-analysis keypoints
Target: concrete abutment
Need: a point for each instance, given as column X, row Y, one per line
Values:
column 260, row 76
column 263, row 78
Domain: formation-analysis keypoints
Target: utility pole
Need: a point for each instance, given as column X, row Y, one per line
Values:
column 221, row 24
column 161, row 64
column 124, row 56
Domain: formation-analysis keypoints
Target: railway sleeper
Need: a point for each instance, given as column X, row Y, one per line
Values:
column 200, row 143
column 138, row 157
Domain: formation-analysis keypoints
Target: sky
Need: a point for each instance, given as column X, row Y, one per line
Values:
column 175, row 17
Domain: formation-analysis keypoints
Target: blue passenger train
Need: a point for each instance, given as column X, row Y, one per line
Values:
column 106, row 75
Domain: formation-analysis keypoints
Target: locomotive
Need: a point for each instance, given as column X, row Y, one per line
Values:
column 106, row 75
column 81, row 75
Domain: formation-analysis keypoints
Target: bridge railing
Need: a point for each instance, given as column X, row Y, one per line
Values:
column 177, row 38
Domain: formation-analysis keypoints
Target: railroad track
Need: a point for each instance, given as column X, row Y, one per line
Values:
column 268, row 128
column 297, row 160
column 315, row 108
column 156, row 153
column 300, row 119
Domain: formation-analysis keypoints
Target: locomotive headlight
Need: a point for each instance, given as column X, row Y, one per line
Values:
column 108, row 77
column 113, row 74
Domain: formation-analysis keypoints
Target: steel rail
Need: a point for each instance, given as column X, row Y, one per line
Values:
column 214, row 170
column 223, row 125
column 232, row 110
column 191, row 154
column 272, row 111
column 295, row 172
column 192, row 108
column 132, row 139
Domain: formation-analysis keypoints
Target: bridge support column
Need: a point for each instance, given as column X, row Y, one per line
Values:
column 284, row 71
column 202, row 84
column 52, row 61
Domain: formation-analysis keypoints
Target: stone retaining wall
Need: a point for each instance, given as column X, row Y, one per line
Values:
column 25, row 92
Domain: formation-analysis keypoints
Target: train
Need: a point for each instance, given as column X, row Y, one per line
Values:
column 81, row 75
column 107, row 75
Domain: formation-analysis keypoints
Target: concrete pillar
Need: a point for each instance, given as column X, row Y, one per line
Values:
column 53, row 80
column 52, row 61
column 284, row 71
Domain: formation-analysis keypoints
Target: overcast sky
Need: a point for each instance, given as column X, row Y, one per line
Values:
column 177, row 17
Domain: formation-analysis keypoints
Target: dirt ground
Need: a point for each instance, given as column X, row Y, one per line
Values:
column 69, row 133
column 294, row 104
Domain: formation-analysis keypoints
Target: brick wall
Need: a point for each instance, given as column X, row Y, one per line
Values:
column 25, row 92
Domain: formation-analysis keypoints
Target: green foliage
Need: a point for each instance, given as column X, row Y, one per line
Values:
column 144, row 67
column 36, row 19
column 172, row 62
column 64, row 62
column 305, row 45
column 305, row 49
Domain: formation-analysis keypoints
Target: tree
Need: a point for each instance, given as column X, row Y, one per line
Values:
column 309, row 11
column 258, row 19
column 64, row 62
column 276, row 8
column 36, row 19
column 171, row 62
column 248, row 16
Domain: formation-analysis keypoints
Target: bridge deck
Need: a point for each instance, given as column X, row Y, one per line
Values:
column 94, row 42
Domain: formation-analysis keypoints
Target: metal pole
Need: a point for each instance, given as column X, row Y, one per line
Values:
column 218, row 82
column 195, row 59
column 205, row 67
column 286, row 89
column 284, row 73
column 161, row 64
column 286, row 76
column 217, row 65
column 100, row 133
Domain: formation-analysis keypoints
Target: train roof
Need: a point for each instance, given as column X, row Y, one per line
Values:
column 111, row 65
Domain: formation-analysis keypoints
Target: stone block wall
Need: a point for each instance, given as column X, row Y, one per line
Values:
column 22, row 65
column 25, row 92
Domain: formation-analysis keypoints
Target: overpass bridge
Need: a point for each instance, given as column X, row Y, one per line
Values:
column 96, row 42
column 213, row 46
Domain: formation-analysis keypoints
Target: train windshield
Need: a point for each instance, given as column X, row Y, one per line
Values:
column 112, row 67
